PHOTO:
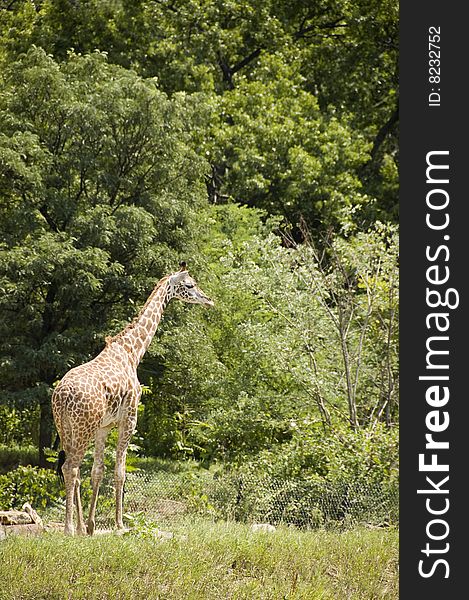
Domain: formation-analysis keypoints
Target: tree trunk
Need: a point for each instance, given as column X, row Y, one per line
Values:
column 45, row 430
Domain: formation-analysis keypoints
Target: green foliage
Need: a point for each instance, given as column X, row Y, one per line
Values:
column 11, row 456
column 119, row 121
column 283, row 154
column 141, row 526
column 336, row 62
column 338, row 454
column 262, row 377
column 17, row 426
column 99, row 196
column 38, row 487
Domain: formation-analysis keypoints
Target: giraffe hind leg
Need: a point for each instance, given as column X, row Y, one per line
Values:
column 71, row 473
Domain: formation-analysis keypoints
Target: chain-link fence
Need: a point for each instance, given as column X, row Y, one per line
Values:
column 164, row 497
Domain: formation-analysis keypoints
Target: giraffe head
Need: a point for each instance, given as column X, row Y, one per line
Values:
column 183, row 287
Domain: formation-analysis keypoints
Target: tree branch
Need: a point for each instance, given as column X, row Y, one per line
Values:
column 170, row 7
column 303, row 31
column 44, row 212
column 381, row 136
column 242, row 63
column 8, row 5
column 228, row 71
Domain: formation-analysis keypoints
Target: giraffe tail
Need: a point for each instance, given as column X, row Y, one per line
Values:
column 60, row 463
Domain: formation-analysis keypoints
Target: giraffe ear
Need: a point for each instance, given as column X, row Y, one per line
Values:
column 177, row 277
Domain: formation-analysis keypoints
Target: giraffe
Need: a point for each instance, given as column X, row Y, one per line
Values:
column 104, row 393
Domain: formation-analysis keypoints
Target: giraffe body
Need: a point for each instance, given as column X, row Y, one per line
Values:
column 104, row 393
column 93, row 394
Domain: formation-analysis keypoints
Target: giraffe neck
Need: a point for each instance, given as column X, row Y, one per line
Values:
column 137, row 336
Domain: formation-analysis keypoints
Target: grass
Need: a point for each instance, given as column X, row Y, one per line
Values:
column 203, row 561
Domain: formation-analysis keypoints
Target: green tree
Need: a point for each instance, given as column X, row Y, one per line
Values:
column 336, row 60
column 99, row 196
column 282, row 154
column 293, row 107
column 296, row 341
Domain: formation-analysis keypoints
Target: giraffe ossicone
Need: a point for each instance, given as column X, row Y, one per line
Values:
column 104, row 393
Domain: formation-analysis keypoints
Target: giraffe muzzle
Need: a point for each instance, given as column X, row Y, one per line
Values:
column 208, row 302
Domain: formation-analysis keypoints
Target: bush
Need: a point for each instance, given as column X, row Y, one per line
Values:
column 13, row 456
column 335, row 454
column 39, row 487
column 18, row 425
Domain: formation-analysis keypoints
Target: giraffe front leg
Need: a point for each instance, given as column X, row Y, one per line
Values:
column 125, row 434
column 119, row 483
